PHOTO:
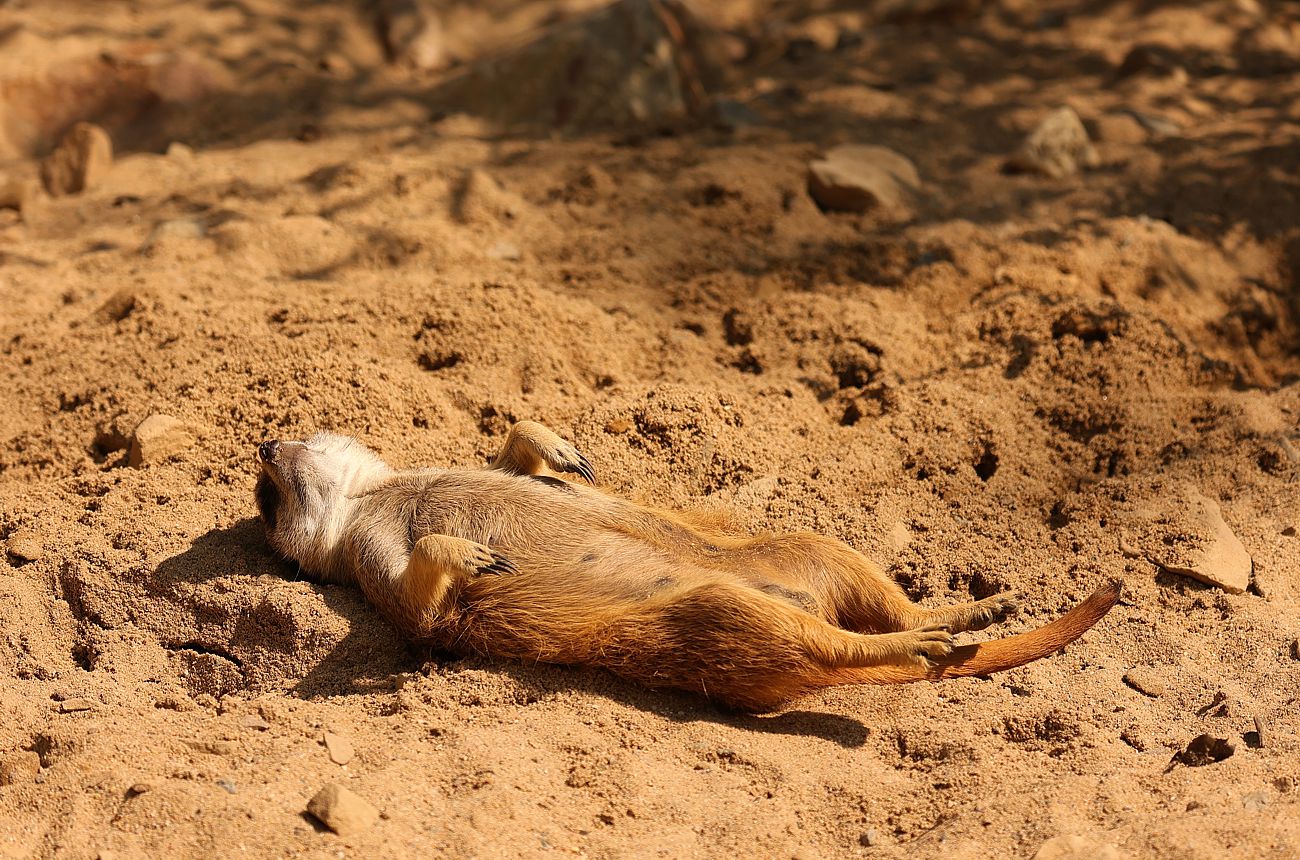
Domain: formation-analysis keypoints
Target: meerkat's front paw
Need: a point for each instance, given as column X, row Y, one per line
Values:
column 483, row 560
column 433, row 552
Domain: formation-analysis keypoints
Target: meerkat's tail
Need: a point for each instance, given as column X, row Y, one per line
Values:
column 998, row 655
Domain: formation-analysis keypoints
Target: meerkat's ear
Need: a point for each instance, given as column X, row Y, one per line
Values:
column 268, row 500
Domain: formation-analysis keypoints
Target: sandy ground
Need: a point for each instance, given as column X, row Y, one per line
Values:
column 1019, row 383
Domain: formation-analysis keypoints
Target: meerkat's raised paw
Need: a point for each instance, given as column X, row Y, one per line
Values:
column 531, row 446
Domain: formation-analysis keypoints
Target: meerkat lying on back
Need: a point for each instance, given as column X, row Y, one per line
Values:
column 513, row 561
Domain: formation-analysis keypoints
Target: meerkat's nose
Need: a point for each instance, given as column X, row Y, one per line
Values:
column 267, row 450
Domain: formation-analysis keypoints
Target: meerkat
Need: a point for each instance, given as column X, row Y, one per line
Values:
column 515, row 561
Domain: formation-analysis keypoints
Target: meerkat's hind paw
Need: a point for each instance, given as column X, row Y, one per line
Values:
column 995, row 610
column 931, row 643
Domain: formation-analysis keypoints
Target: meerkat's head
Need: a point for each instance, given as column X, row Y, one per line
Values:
column 306, row 493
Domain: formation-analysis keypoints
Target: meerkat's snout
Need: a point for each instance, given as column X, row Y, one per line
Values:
column 268, row 449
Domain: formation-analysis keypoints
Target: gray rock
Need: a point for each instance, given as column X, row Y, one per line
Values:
column 1058, row 147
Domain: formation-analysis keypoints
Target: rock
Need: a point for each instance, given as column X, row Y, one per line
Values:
column 157, row 439
column 1077, row 847
column 341, row 810
column 504, row 251
column 1218, row 558
column 339, row 748
column 1121, row 128
column 869, row 838
column 1203, row 750
column 254, row 722
column 634, row 64
column 19, row 768
column 1058, row 147
column 1156, row 124
column 1256, row 800
column 1146, row 681
column 73, row 706
column 26, row 544
column 178, row 151
column 80, row 161
column 175, row 228
column 412, row 33
column 856, row 178
column 1289, row 531
column 1295, row 649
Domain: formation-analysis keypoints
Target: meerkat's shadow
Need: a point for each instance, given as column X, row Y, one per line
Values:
column 539, row 681
column 265, row 631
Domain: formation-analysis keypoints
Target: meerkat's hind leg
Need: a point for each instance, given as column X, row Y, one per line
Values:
column 530, row 446
column 977, row 614
column 438, row 561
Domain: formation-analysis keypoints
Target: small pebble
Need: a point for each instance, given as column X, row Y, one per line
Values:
column 858, row 178
column 80, row 161
column 26, row 544
column 157, row 439
column 72, row 706
column 1256, row 800
column 340, row 748
column 1146, row 681
column 341, row 810
column 254, row 721
column 508, row 251
column 1058, row 147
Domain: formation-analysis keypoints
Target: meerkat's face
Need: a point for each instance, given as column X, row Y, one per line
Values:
column 305, row 492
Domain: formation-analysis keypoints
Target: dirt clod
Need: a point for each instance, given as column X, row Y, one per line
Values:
column 342, row 810
column 79, row 162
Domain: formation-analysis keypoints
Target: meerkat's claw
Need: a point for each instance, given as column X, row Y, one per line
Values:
column 584, row 469
column 567, row 458
column 499, row 565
